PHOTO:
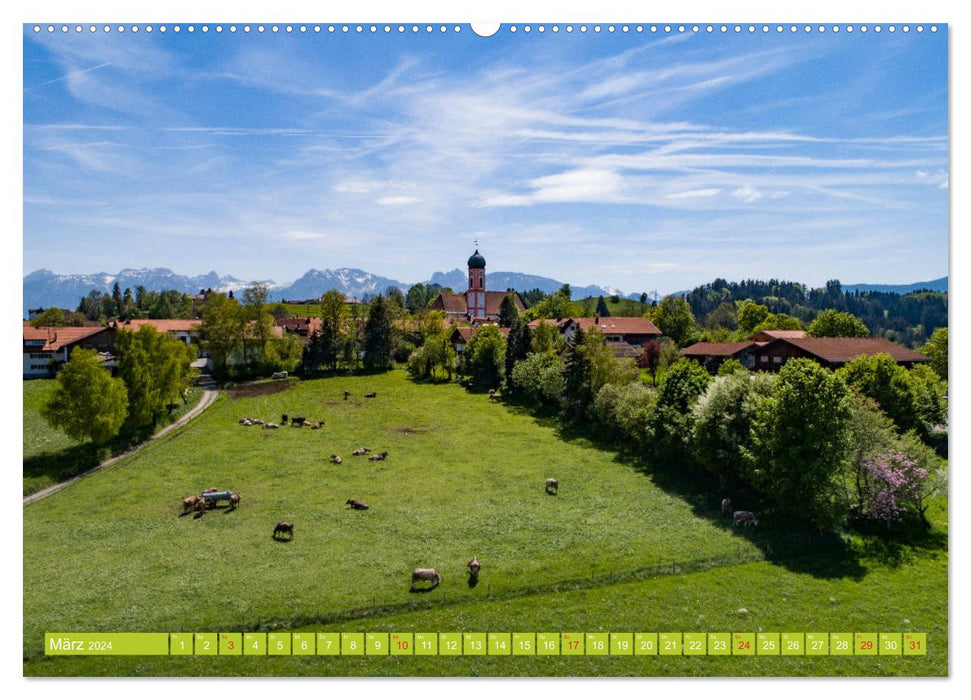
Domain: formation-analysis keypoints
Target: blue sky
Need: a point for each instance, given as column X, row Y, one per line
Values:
column 640, row 161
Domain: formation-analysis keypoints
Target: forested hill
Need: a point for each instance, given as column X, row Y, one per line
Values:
column 908, row 319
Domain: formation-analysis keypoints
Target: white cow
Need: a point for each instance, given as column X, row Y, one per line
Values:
column 745, row 516
column 425, row 575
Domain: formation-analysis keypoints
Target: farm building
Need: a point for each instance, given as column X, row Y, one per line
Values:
column 832, row 352
column 477, row 305
column 304, row 327
column 625, row 335
column 712, row 355
column 47, row 348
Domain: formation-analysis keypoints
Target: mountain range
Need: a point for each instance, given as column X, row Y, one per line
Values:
column 43, row 288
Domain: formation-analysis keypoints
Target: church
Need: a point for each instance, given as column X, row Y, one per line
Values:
column 477, row 305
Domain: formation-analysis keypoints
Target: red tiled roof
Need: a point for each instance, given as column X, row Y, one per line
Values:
column 303, row 326
column 622, row 325
column 57, row 337
column 456, row 303
column 162, row 325
column 715, row 349
column 845, row 349
column 775, row 335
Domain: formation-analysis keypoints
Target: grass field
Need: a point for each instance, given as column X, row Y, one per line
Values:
column 619, row 549
column 50, row 456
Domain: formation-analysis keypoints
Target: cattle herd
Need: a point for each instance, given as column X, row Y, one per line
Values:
column 212, row 497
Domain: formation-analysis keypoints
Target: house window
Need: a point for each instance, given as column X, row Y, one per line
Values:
column 764, row 358
column 777, row 360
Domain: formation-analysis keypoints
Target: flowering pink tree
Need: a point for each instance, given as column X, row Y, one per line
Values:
column 893, row 483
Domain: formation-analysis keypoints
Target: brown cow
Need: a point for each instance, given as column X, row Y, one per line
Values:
column 425, row 575
column 233, row 501
column 474, row 567
column 191, row 503
column 727, row 507
column 283, row 529
column 357, row 505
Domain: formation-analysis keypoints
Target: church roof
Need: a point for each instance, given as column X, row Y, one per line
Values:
column 476, row 262
column 456, row 303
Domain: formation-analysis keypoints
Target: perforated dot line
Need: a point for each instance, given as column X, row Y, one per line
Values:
column 512, row 28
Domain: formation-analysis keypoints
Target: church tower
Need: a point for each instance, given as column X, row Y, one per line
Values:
column 475, row 297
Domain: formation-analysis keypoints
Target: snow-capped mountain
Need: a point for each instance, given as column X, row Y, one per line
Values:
column 348, row 280
column 43, row 288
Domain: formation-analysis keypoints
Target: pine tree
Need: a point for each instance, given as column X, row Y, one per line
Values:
column 508, row 311
column 602, row 310
column 518, row 346
column 576, row 375
column 378, row 344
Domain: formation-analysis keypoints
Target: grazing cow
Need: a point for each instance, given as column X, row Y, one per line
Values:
column 336, row 459
column 246, row 421
column 727, row 507
column 317, row 426
column 270, row 426
column 357, row 505
column 233, row 501
column 494, row 395
column 379, row 457
column 191, row 503
column 211, row 490
column 298, row 420
column 361, row 451
column 372, row 395
column 257, row 421
column 552, row 486
column 425, row 575
column 283, row 529
column 474, row 567
column 283, row 420
column 745, row 516
column 346, row 394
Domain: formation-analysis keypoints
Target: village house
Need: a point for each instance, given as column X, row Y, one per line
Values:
column 304, row 327
column 832, row 352
column 712, row 355
column 47, row 348
column 625, row 335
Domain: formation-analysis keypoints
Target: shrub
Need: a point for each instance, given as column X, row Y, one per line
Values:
column 540, row 377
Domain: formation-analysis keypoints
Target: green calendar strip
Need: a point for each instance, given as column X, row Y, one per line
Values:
column 386, row 644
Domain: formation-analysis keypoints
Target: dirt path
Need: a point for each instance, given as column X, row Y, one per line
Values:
column 208, row 397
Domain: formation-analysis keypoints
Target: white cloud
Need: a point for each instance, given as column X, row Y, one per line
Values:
column 939, row 178
column 693, row 194
column 396, row 200
column 748, row 194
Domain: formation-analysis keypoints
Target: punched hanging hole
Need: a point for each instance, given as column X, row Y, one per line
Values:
column 485, row 28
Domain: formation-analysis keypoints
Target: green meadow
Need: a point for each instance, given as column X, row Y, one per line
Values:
column 621, row 548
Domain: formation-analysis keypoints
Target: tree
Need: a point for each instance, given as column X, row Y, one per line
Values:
column 485, row 356
column 831, row 323
column 892, row 482
column 887, row 383
column 155, row 369
column 566, row 292
column 673, row 316
column 602, row 310
column 87, row 403
column 723, row 316
column 417, row 298
column 220, row 331
column 50, row 317
column 800, row 441
column 668, row 427
column 936, row 349
column 436, row 354
column 576, row 377
column 396, row 298
column 778, row 322
column 118, row 300
column 378, row 344
column 650, row 358
column 750, row 315
column 540, row 377
column 518, row 346
column 546, row 338
column 556, row 306
column 723, row 424
column 731, row 366
column 508, row 311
